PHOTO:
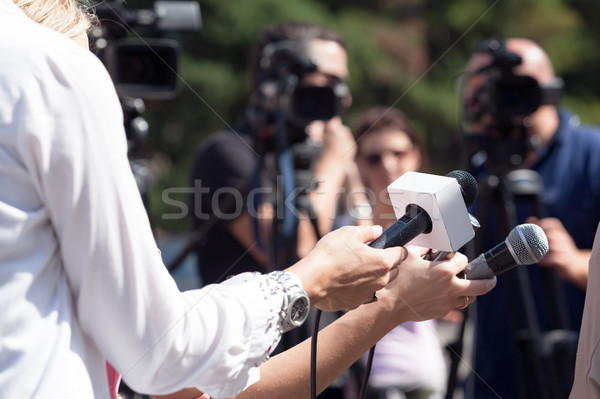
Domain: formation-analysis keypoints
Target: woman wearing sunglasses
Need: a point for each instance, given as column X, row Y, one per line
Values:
column 408, row 362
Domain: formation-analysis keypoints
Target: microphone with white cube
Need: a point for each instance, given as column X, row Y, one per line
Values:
column 431, row 211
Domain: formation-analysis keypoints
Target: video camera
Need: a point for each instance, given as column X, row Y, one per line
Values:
column 501, row 105
column 281, row 91
column 143, row 67
column 283, row 106
column 506, row 96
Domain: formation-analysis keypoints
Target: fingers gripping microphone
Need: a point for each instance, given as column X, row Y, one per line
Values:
column 431, row 211
column 526, row 244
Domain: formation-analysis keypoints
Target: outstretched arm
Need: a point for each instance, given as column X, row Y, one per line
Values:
column 423, row 290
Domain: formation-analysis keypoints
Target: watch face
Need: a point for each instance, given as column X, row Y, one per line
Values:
column 299, row 311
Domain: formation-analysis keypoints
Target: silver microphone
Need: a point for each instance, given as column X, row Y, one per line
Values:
column 526, row 244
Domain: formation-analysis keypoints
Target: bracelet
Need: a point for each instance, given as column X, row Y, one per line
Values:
column 296, row 305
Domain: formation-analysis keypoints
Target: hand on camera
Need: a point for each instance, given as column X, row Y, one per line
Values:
column 330, row 170
column 336, row 137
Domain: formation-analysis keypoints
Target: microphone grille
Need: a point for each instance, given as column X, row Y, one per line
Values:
column 529, row 243
column 468, row 185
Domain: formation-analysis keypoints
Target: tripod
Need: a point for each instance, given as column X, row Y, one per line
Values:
column 545, row 356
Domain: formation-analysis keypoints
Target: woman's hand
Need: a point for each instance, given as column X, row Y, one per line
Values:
column 430, row 289
column 342, row 271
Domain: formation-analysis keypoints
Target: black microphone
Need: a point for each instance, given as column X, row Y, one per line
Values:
column 468, row 185
column 526, row 244
column 414, row 222
column 417, row 221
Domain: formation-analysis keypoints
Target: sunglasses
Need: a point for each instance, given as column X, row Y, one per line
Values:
column 376, row 158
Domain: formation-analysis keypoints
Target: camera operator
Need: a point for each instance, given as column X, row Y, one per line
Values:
column 510, row 95
column 298, row 79
column 314, row 57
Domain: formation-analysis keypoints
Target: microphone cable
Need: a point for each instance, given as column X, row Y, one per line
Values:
column 313, row 356
column 365, row 382
column 313, row 362
column 440, row 255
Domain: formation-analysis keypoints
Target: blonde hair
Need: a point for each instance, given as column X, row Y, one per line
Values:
column 69, row 17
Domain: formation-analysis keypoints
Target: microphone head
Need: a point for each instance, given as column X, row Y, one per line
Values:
column 468, row 185
column 528, row 242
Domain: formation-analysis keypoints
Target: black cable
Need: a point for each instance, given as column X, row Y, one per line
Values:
column 313, row 348
column 313, row 356
column 365, row 383
column 456, row 350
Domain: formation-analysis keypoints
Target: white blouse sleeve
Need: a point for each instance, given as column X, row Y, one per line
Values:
column 159, row 339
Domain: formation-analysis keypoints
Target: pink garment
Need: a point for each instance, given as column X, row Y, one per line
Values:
column 114, row 380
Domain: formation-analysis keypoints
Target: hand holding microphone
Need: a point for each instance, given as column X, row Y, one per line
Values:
column 435, row 215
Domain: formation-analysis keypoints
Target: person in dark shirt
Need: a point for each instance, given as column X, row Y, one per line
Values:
column 268, row 189
column 237, row 172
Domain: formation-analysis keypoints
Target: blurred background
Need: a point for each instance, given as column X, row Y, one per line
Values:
column 406, row 53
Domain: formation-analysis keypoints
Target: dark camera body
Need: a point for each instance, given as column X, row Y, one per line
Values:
column 316, row 103
column 144, row 68
column 283, row 101
column 501, row 105
column 296, row 105
column 506, row 96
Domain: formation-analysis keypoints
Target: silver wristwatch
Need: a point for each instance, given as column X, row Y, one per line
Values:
column 296, row 306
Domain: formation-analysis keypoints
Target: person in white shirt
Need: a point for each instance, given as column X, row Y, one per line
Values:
column 586, row 383
column 82, row 283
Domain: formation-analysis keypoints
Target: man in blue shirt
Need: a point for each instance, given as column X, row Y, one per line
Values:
column 535, row 164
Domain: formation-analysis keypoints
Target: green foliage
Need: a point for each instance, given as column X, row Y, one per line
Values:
column 408, row 54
